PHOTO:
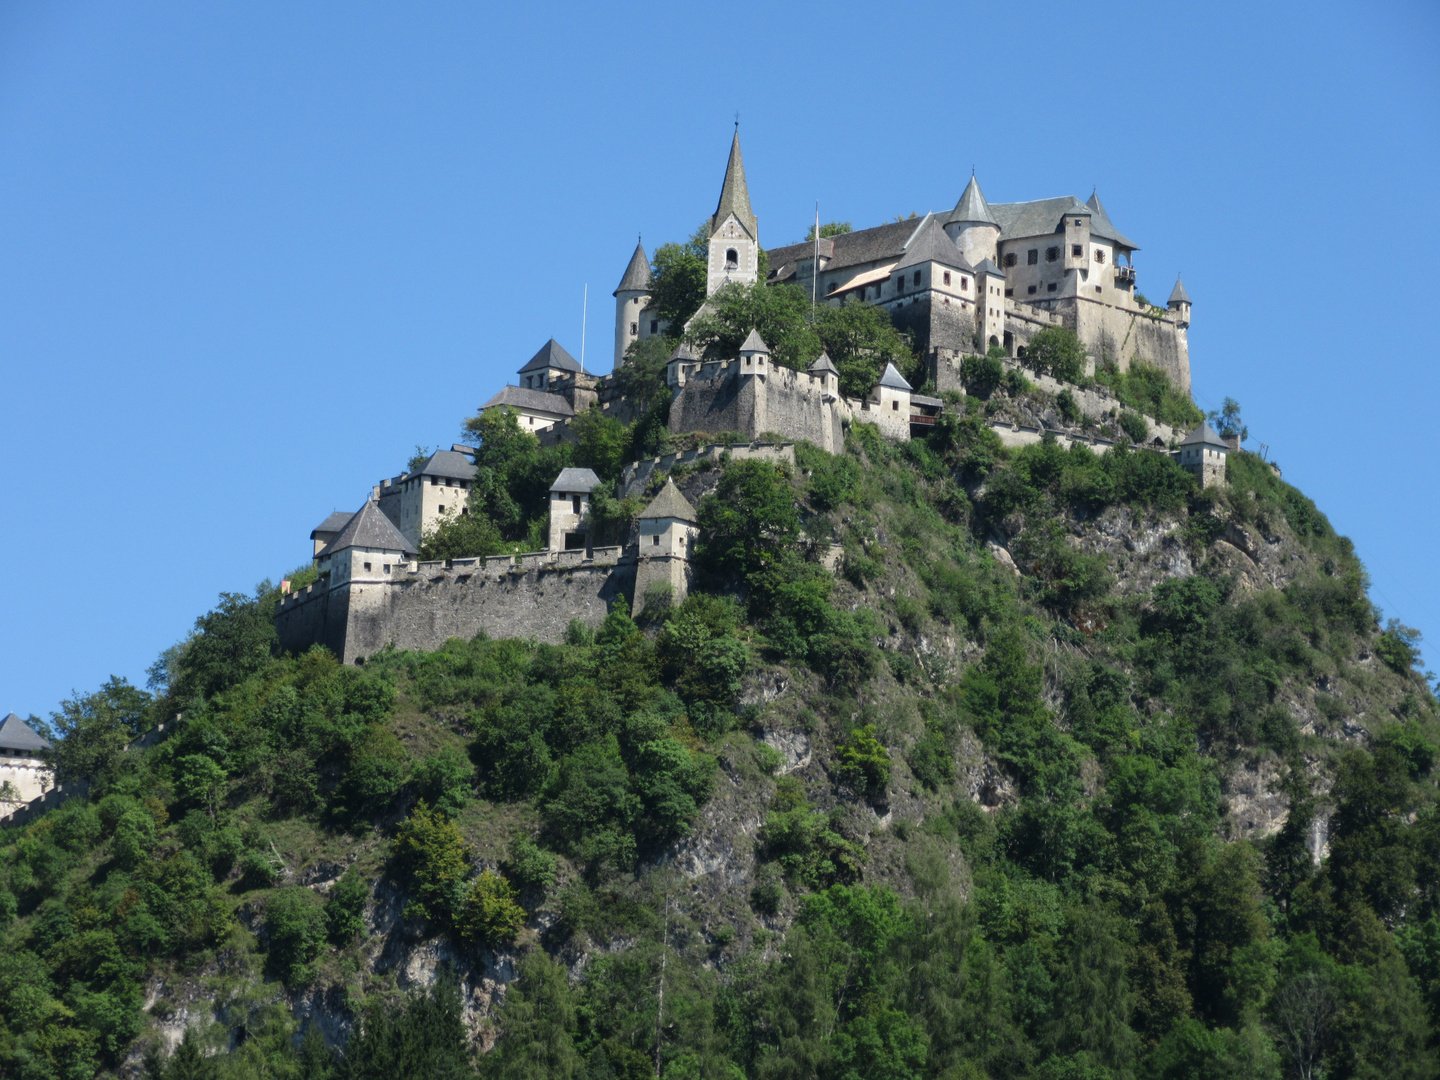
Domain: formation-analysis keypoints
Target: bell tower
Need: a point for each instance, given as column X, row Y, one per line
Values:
column 734, row 253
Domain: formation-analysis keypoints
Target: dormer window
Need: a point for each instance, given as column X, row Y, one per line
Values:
column 732, row 259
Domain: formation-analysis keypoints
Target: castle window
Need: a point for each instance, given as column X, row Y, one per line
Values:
column 1050, row 287
column 1010, row 259
column 732, row 259
column 1032, row 256
column 634, row 328
column 367, row 566
column 917, row 277
column 1099, row 255
column 1031, row 290
column 655, row 540
column 1076, row 250
column 442, row 508
column 387, row 568
column 964, row 283
column 575, row 504
column 831, row 287
column 654, row 326
column 900, row 283
column 1078, row 221
column 947, row 277
column 1097, row 288
column 1009, row 292
column 1051, row 254
column 895, row 406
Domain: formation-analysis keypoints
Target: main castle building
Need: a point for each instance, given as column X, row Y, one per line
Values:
column 961, row 281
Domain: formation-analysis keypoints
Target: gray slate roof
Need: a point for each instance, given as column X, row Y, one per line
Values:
column 1178, row 295
column 851, row 249
column 522, row 397
column 988, row 267
column 16, row 734
column 332, row 524
column 576, row 480
column 932, row 245
column 637, row 274
column 369, row 528
column 822, row 365
column 1043, row 217
column 972, row 206
column 735, row 195
column 551, row 355
column 892, row 379
column 1205, row 435
column 1100, row 224
column 683, row 352
column 449, row 463
column 669, row 504
column 754, row 343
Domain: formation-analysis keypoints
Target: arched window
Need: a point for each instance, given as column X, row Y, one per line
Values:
column 732, row 259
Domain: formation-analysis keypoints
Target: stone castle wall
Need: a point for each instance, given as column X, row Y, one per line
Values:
column 724, row 403
column 528, row 596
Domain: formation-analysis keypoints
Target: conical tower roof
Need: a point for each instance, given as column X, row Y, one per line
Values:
column 1205, row 435
column 972, row 206
column 823, row 365
column 734, row 195
column 669, row 504
column 1178, row 295
column 755, row 344
column 892, row 379
column 551, row 356
column 370, row 528
column 637, row 274
column 16, row 734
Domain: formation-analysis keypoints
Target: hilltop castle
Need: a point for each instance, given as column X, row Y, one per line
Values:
column 962, row 281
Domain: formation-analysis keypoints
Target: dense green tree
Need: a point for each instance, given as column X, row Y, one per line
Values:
column 537, row 1026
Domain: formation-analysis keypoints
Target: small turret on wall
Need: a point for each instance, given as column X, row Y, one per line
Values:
column 668, row 527
column 1203, row 454
column 570, row 509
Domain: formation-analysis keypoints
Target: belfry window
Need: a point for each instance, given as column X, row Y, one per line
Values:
column 732, row 259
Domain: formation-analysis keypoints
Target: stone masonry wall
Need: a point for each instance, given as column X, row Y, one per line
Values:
column 635, row 477
column 721, row 404
column 533, row 596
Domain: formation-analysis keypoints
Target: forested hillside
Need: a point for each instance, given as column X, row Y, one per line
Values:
column 1067, row 770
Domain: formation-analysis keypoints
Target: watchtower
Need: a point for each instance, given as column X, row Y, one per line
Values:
column 570, row 509
column 1203, row 453
column 668, row 528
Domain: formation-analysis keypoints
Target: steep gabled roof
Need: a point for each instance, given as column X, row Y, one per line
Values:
column 522, row 397
column 932, row 245
column 851, row 249
column 551, row 355
column 1100, row 223
column 448, row 463
column 985, row 266
column 576, row 480
column 369, row 528
column 822, row 365
column 669, row 504
column 1042, row 217
column 16, row 734
column 754, row 343
column 332, row 524
column 1205, row 435
column 972, row 206
column 892, row 379
column 735, row 195
column 637, row 274
column 1178, row 295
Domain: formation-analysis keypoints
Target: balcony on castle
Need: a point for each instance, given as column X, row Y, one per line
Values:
column 1124, row 276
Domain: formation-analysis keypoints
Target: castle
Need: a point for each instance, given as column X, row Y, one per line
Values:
column 951, row 278
column 24, row 772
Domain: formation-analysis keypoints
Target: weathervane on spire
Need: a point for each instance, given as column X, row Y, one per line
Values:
column 737, row 119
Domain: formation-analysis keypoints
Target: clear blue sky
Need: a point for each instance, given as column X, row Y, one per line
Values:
column 251, row 254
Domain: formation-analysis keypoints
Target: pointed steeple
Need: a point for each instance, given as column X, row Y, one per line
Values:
column 735, row 195
column 637, row 274
column 1178, row 295
column 823, row 366
column 754, row 343
column 972, row 206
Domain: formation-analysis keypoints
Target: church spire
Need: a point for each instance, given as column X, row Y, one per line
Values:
column 734, row 195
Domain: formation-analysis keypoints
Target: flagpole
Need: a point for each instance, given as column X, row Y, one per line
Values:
column 584, row 311
column 815, row 265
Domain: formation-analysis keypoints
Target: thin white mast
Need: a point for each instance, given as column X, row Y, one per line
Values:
column 584, row 311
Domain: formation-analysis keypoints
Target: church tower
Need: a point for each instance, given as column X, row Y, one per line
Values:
column 631, row 296
column 734, row 233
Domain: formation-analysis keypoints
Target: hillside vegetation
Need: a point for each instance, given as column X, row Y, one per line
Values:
column 1067, row 770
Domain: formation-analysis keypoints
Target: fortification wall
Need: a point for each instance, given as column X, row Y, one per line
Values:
column 635, row 477
column 720, row 404
column 29, row 776
column 936, row 324
column 794, row 406
column 1125, row 336
column 529, row 596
